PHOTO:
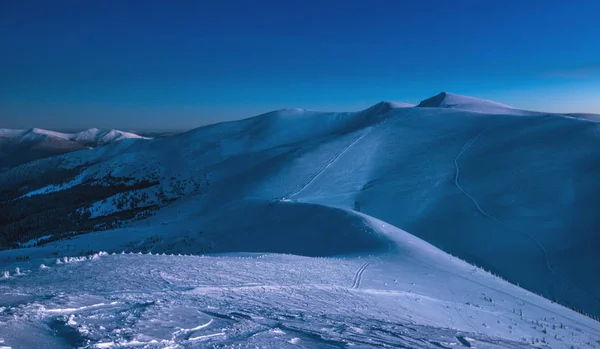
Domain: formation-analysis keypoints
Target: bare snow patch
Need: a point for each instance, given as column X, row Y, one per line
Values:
column 56, row 187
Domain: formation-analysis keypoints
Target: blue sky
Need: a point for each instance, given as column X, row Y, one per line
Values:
column 158, row 64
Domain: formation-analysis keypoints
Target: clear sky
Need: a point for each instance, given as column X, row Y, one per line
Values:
column 158, row 64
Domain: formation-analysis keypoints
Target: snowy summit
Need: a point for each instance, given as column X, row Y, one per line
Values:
column 450, row 100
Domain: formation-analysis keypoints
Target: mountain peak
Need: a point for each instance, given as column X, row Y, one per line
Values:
column 433, row 102
column 394, row 105
column 385, row 106
column 39, row 134
column 455, row 101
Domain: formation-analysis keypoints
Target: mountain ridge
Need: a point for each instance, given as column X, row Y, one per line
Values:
column 92, row 135
column 451, row 100
column 438, row 173
column 19, row 146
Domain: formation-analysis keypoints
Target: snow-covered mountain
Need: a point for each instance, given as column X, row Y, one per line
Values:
column 96, row 136
column 512, row 191
column 92, row 136
column 454, row 101
column 451, row 100
column 19, row 146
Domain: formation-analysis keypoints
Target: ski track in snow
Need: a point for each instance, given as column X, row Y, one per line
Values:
column 549, row 266
column 457, row 310
column 478, row 206
column 359, row 274
column 234, row 308
column 330, row 162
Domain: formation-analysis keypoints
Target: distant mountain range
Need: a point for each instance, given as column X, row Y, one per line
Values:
column 511, row 190
column 19, row 146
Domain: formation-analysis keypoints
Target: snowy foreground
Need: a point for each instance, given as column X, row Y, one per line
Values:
column 413, row 296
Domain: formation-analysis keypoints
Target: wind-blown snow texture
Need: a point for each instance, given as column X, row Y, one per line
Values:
column 409, row 294
column 512, row 191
